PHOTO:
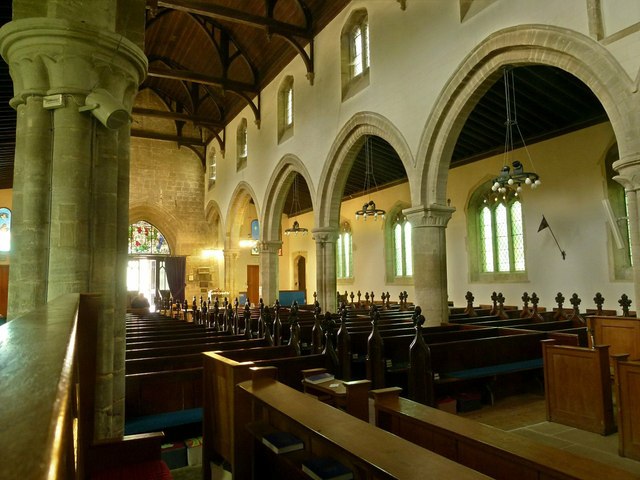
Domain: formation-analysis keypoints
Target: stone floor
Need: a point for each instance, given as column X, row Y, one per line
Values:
column 521, row 414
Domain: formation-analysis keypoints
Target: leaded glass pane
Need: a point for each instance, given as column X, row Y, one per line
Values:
column 357, row 51
column 289, row 107
column 397, row 246
column 5, row 230
column 340, row 258
column 347, row 255
column 502, row 238
column 144, row 238
column 626, row 215
column 408, row 258
column 517, row 237
column 486, row 240
column 365, row 61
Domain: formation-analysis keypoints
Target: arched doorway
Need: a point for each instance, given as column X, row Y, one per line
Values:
column 300, row 273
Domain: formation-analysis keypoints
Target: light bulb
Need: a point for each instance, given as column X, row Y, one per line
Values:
column 519, row 189
column 538, row 182
column 510, row 181
column 527, row 181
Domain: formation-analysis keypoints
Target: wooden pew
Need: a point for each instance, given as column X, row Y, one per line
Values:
column 266, row 405
column 578, row 387
column 622, row 334
column 496, row 453
column 217, row 343
column 627, row 385
column 441, row 369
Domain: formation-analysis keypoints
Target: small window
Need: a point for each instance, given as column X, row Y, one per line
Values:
column 144, row 238
column 242, row 145
column 285, row 109
column 622, row 259
column 355, row 58
column 5, row 230
column 344, row 254
column 211, row 167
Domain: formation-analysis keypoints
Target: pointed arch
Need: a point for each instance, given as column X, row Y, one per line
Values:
column 573, row 52
column 240, row 199
column 215, row 221
column 159, row 218
column 342, row 156
column 277, row 191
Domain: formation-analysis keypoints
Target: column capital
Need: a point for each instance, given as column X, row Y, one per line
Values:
column 270, row 246
column 432, row 216
column 231, row 252
column 628, row 168
column 325, row 234
column 51, row 55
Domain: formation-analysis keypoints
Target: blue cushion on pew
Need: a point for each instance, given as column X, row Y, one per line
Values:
column 496, row 369
column 161, row 421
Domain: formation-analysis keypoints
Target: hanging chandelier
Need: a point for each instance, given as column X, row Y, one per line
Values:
column 295, row 208
column 512, row 178
column 369, row 209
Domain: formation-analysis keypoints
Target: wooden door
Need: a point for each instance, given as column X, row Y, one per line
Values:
column 253, row 283
column 302, row 274
column 4, row 289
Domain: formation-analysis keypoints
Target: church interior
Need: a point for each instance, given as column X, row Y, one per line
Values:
column 433, row 202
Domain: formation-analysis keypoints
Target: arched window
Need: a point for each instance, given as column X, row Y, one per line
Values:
column 496, row 234
column 5, row 230
column 354, row 49
column 145, row 239
column 344, row 254
column 621, row 241
column 285, row 109
column 242, row 145
column 402, row 260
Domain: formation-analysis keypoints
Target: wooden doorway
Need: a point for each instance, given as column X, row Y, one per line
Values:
column 253, row 283
column 4, row 289
column 301, row 274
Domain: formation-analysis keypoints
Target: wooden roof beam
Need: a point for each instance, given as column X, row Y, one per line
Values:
column 190, row 76
column 195, row 119
column 180, row 140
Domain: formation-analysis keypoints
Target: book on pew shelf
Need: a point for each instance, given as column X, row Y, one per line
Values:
column 282, row 442
column 325, row 468
column 319, row 378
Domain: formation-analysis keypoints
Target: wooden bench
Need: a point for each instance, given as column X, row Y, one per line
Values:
column 265, row 405
column 627, row 387
column 578, row 387
column 496, row 453
column 622, row 334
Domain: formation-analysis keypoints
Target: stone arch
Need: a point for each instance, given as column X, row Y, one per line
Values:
column 242, row 196
column 213, row 217
column 159, row 218
column 341, row 157
column 525, row 44
column 276, row 194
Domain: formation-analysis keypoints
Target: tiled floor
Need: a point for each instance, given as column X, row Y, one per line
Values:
column 525, row 415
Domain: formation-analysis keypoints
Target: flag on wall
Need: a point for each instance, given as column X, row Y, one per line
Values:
column 543, row 224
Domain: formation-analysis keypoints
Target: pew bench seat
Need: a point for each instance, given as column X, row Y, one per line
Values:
column 163, row 421
column 492, row 370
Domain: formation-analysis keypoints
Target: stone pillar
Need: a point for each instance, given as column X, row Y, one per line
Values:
column 629, row 178
column 30, row 223
column 269, row 267
column 88, row 75
column 326, row 283
column 429, row 246
column 230, row 258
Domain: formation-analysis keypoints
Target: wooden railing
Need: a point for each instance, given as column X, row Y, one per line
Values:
column 37, row 362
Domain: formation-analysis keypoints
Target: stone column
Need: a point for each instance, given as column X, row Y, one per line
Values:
column 230, row 258
column 326, row 283
column 269, row 267
column 89, row 75
column 429, row 246
column 31, row 204
column 629, row 178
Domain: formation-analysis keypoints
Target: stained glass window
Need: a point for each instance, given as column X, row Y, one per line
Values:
column 144, row 238
column 5, row 230
column 486, row 239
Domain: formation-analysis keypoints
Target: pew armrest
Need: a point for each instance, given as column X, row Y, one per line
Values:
column 382, row 394
column 129, row 450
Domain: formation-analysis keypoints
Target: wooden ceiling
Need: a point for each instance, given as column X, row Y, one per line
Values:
column 209, row 59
